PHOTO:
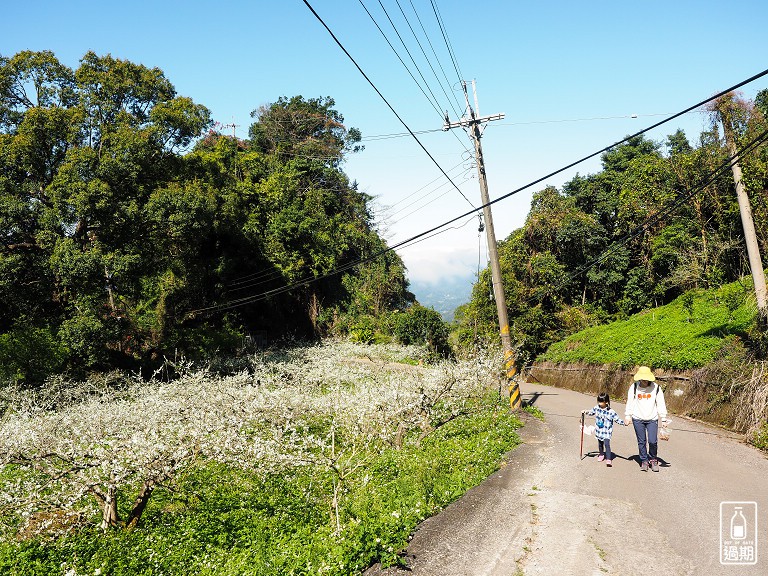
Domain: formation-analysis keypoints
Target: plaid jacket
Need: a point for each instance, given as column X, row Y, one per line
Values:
column 604, row 419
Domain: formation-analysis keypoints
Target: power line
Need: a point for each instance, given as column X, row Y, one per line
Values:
column 412, row 212
column 398, row 134
column 444, row 32
column 437, row 59
column 439, row 112
column 556, row 121
column 425, row 54
column 433, row 102
column 349, row 266
column 425, row 186
column 386, row 101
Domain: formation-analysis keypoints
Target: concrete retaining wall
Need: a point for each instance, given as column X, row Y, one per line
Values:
column 683, row 394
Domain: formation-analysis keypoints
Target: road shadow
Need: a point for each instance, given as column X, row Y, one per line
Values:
column 634, row 458
column 662, row 463
column 535, row 396
column 595, row 454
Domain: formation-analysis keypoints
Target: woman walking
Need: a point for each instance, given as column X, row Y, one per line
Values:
column 645, row 406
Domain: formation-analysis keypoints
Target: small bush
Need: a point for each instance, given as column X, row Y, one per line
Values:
column 420, row 325
column 363, row 331
column 29, row 354
column 760, row 438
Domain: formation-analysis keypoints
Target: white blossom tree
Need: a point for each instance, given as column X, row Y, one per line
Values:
column 72, row 446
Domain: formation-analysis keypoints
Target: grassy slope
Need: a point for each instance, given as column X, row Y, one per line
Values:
column 674, row 336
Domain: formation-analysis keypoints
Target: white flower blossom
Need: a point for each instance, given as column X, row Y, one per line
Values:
column 79, row 443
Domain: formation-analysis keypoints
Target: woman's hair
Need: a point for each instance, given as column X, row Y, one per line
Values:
column 603, row 397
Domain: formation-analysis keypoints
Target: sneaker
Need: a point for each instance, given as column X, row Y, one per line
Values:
column 644, row 466
column 600, row 457
column 609, row 462
column 655, row 465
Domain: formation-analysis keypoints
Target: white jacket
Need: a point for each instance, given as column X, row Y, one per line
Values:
column 647, row 404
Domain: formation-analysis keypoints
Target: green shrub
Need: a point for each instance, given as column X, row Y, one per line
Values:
column 760, row 437
column 30, row 354
column 363, row 330
column 420, row 325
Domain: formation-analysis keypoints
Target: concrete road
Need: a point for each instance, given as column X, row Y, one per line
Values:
column 549, row 512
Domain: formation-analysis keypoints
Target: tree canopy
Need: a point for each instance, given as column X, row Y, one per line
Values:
column 132, row 229
column 659, row 219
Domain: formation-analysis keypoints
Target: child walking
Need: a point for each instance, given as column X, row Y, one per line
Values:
column 605, row 416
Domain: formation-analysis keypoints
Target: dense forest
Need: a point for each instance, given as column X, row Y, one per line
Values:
column 132, row 229
column 659, row 219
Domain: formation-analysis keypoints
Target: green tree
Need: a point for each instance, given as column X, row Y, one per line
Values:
column 421, row 325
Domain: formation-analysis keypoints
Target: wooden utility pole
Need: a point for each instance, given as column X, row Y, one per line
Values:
column 725, row 108
column 473, row 126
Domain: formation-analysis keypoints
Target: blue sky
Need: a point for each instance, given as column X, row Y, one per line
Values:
column 569, row 76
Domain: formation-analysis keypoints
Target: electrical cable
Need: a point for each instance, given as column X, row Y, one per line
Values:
column 444, row 32
column 385, row 100
column 412, row 212
column 433, row 102
column 439, row 112
column 437, row 59
column 418, row 42
column 346, row 267
column 398, row 135
column 626, row 139
column 402, row 134
column 425, row 185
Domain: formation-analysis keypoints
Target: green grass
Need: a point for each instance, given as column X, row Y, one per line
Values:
column 226, row 521
column 687, row 333
column 760, row 437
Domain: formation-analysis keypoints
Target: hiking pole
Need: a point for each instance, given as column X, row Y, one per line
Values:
column 581, row 446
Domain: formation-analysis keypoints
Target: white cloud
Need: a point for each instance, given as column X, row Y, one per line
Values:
column 433, row 264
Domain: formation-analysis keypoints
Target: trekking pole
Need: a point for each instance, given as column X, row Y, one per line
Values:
column 581, row 446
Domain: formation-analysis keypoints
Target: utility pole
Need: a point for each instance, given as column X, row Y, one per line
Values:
column 474, row 128
column 233, row 126
column 725, row 107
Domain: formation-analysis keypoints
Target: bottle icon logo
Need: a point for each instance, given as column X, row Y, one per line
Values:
column 738, row 525
column 739, row 533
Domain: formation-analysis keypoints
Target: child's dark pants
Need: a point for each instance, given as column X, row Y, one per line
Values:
column 604, row 446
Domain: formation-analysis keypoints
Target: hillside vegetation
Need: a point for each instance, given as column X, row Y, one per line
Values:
column 659, row 220
column 132, row 229
column 687, row 333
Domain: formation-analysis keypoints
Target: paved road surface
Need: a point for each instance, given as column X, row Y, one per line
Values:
column 546, row 512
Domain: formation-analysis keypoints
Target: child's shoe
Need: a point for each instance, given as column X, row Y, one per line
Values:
column 644, row 466
column 655, row 465
column 600, row 457
column 609, row 462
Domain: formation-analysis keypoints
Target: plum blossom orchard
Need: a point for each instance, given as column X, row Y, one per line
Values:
column 74, row 449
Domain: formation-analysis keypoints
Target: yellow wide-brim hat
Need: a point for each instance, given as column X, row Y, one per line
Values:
column 644, row 373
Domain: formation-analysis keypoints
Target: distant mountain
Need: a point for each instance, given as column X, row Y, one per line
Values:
column 445, row 296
